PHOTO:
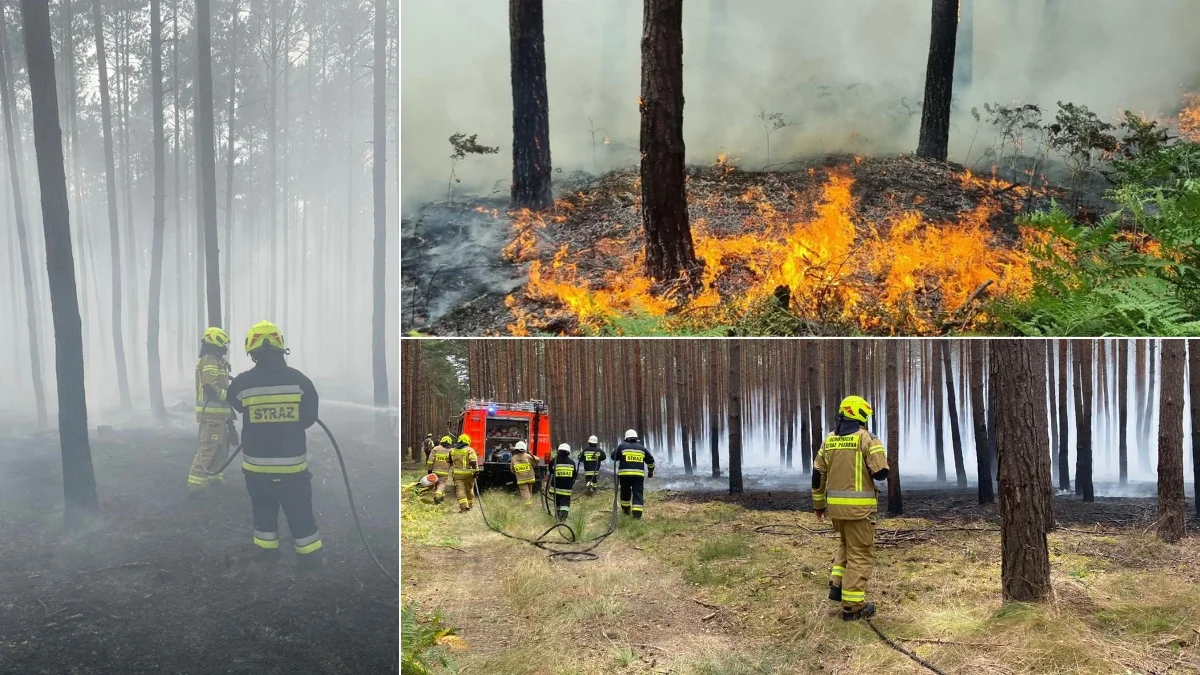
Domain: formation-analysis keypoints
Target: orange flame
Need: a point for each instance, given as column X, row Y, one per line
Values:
column 1189, row 118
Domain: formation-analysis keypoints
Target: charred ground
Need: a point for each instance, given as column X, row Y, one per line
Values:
column 161, row 583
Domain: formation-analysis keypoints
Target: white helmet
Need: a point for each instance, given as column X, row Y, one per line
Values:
column 520, row 445
column 593, row 439
column 563, row 447
column 630, row 434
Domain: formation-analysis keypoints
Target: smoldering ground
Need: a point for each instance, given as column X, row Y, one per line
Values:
column 161, row 583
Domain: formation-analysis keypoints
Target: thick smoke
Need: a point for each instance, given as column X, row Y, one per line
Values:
column 848, row 75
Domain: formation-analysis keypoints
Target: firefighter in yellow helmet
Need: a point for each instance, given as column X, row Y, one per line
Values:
column 213, row 413
column 438, row 463
column 464, row 463
column 278, row 403
column 522, row 465
column 847, row 463
column 562, row 481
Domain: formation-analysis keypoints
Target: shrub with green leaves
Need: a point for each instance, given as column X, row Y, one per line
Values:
column 424, row 644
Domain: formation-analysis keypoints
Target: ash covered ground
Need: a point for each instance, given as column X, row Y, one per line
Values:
column 161, row 583
column 456, row 277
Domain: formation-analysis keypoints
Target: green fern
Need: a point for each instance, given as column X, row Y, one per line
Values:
column 422, row 644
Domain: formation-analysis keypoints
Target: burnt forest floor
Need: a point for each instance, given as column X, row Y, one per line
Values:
column 455, row 278
column 162, row 583
column 711, row 584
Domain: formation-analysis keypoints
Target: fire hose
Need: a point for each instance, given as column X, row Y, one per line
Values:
column 349, row 494
column 565, row 531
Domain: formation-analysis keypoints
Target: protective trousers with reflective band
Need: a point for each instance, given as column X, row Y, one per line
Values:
column 214, row 450
column 631, row 494
column 526, row 493
column 292, row 492
column 854, row 561
column 464, row 488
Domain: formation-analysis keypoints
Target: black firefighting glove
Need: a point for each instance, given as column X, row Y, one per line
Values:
column 234, row 439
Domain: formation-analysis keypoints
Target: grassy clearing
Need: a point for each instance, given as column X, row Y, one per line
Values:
column 692, row 589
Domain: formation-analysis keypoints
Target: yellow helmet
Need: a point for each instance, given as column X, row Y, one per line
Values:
column 464, row 439
column 264, row 334
column 445, row 441
column 855, row 408
column 216, row 337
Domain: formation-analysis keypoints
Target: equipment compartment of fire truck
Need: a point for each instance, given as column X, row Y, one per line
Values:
column 496, row 427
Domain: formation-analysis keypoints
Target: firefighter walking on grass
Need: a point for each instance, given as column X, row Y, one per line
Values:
column 847, row 463
column 213, row 413
column 522, row 464
column 464, row 462
column 278, row 404
column 634, row 465
column 591, row 457
column 562, row 480
column 438, row 462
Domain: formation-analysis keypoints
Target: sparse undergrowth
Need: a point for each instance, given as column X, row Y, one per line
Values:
column 693, row 589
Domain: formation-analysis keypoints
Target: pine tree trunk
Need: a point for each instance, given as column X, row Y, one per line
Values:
column 111, row 188
column 1194, row 399
column 31, row 305
column 734, row 410
column 960, row 471
column 669, row 250
column 379, row 278
column 1123, row 410
column 131, row 258
column 895, row 498
column 229, row 162
column 208, row 167
column 939, row 81
column 982, row 457
column 176, row 133
column 79, row 482
column 531, row 187
column 815, row 416
column 640, row 409
column 804, row 390
column 1172, row 508
column 1052, row 400
column 1064, row 424
column 1083, row 453
column 939, row 414
column 713, row 423
column 681, row 396
column 153, row 361
column 1024, row 467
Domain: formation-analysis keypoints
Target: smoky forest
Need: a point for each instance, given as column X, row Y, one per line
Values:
column 197, row 200
column 800, row 168
column 1036, row 491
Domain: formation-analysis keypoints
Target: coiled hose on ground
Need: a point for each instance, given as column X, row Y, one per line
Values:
column 565, row 531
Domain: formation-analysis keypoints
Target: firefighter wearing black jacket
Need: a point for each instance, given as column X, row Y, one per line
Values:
column 278, row 404
column 562, row 479
column 634, row 465
column 591, row 457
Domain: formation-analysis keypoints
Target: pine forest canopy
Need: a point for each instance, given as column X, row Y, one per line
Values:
column 674, row 392
column 294, row 131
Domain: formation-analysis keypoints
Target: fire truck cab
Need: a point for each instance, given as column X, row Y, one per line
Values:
column 496, row 427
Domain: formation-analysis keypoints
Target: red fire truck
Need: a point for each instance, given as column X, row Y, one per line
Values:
column 496, row 427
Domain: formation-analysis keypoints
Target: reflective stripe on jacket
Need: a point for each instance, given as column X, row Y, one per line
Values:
column 439, row 461
column 633, row 459
column 212, row 370
column 463, row 461
column 522, row 465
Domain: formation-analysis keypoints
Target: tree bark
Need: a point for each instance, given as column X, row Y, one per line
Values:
column 531, row 188
column 939, row 81
column 682, row 397
column 735, row 412
column 1064, row 425
column 111, row 189
column 1123, row 410
column 640, row 409
column 804, row 383
column 1052, row 400
column 230, row 156
column 79, row 481
column 982, row 456
column 814, row 399
column 153, row 360
column 1024, row 467
column 1172, row 508
column 960, row 471
column 939, row 412
column 1194, row 399
column 1083, row 453
column 895, row 498
column 713, row 422
column 669, row 250
column 379, row 166
column 207, row 169
column 31, row 305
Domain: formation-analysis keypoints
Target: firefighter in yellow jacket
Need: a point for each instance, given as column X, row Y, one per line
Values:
column 522, row 464
column 438, row 462
column 847, row 463
column 213, row 413
column 464, row 463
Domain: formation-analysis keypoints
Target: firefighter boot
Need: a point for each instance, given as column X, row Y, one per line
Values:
column 311, row 562
column 867, row 611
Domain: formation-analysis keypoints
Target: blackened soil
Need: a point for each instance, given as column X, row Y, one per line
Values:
column 160, row 583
